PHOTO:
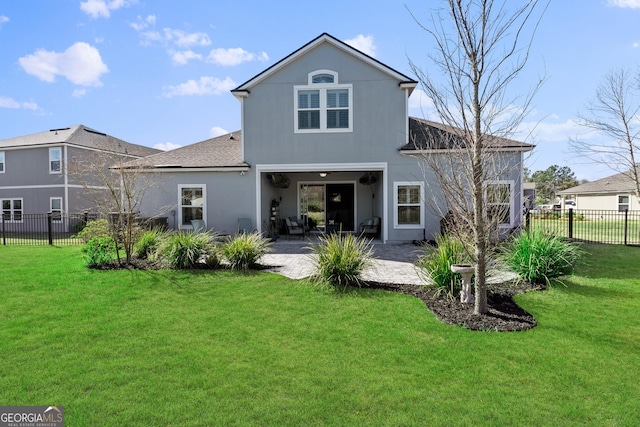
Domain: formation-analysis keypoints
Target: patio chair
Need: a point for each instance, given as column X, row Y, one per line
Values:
column 294, row 228
column 370, row 227
column 244, row 226
column 198, row 226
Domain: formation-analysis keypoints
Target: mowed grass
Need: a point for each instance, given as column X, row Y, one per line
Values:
column 181, row 348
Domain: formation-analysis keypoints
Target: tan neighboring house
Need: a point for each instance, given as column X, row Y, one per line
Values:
column 613, row 193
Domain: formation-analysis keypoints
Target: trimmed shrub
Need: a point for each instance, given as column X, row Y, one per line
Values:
column 243, row 251
column 148, row 244
column 95, row 228
column 436, row 262
column 185, row 249
column 99, row 251
column 339, row 260
column 539, row 257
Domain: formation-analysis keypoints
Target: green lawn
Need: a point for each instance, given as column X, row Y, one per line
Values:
column 160, row 348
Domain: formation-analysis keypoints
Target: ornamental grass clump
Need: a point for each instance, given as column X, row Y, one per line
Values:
column 339, row 260
column 539, row 257
column 186, row 249
column 149, row 243
column 435, row 264
column 243, row 251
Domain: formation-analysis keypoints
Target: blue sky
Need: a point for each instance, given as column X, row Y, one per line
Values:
column 158, row 73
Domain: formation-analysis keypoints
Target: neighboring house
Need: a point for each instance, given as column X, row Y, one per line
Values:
column 34, row 170
column 326, row 137
column 614, row 193
column 529, row 194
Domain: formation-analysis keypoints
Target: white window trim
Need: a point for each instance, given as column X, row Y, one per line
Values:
column 12, row 209
column 182, row 226
column 512, row 200
column 51, row 210
column 322, row 88
column 3, row 162
column 628, row 201
column 398, row 184
column 51, row 150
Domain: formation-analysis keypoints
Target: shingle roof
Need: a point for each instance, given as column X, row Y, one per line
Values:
column 428, row 135
column 81, row 136
column 618, row 183
column 219, row 152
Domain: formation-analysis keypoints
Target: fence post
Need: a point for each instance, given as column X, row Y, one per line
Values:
column 49, row 230
column 626, row 224
column 571, row 223
column 527, row 220
column 4, row 237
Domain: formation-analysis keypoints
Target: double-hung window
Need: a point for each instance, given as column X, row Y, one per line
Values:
column 55, row 160
column 12, row 210
column 192, row 203
column 1, row 161
column 55, row 207
column 408, row 200
column 623, row 203
column 323, row 105
column 500, row 200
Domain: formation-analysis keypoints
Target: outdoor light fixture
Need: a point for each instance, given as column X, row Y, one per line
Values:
column 323, row 174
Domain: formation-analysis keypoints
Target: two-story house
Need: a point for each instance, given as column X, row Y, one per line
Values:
column 326, row 137
column 36, row 175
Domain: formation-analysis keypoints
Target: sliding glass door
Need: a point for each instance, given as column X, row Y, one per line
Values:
column 329, row 207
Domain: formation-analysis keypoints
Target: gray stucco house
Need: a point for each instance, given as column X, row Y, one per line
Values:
column 34, row 169
column 326, row 138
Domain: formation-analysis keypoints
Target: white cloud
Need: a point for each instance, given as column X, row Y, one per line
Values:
column 234, row 56
column 166, row 146
column 3, row 20
column 364, row 44
column 176, row 37
column 632, row 4
column 204, row 86
column 103, row 8
column 420, row 102
column 81, row 64
column 143, row 23
column 6, row 102
column 217, row 131
column 183, row 57
column 79, row 93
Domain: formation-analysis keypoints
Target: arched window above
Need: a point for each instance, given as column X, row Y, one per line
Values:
column 323, row 77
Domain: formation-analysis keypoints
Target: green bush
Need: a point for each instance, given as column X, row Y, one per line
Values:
column 99, row 251
column 185, row 249
column 149, row 243
column 244, row 250
column 538, row 257
column 339, row 260
column 95, row 228
column 436, row 262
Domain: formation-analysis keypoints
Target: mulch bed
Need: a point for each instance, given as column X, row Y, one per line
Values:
column 503, row 315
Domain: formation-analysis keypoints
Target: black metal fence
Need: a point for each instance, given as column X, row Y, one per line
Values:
column 592, row 226
column 43, row 229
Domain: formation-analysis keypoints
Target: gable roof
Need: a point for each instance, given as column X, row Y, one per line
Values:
column 221, row 152
column 81, row 136
column 324, row 38
column 423, row 135
column 618, row 183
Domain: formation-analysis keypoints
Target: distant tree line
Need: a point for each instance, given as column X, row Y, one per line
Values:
column 550, row 181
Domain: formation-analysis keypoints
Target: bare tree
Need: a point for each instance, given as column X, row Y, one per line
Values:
column 114, row 189
column 481, row 48
column 614, row 115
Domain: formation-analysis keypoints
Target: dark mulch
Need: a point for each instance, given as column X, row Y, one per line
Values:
column 503, row 315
